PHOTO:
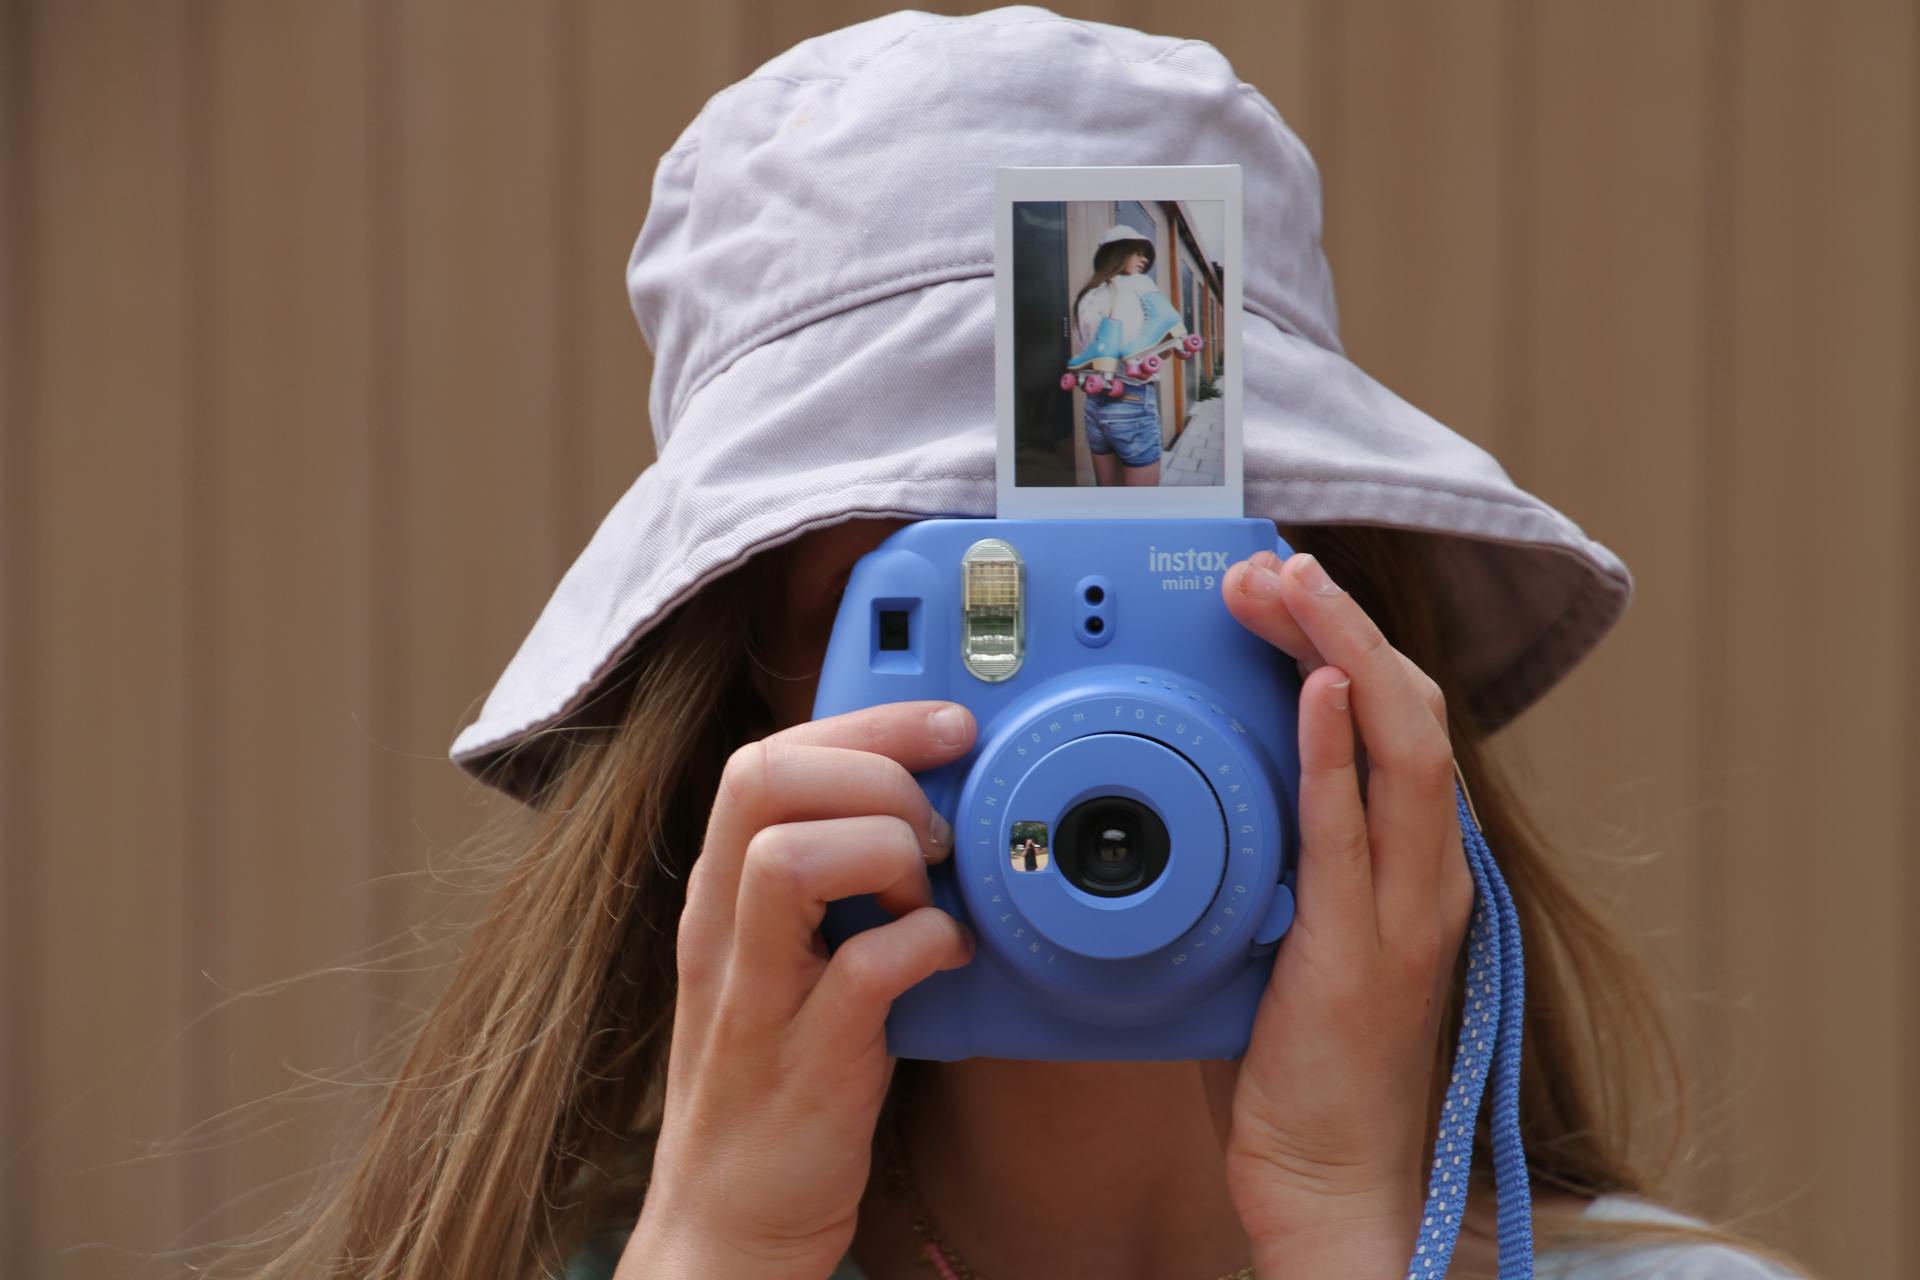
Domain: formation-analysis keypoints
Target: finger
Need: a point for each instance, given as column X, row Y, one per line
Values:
column 1409, row 760
column 870, row 970
column 1455, row 911
column 1266, row 614
column 792, row 871
column 1429, row 690
column 1251, row 589
column 841, row 766
column 1335, row 879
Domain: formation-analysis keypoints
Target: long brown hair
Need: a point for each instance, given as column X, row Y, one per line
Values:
column 520, row 1121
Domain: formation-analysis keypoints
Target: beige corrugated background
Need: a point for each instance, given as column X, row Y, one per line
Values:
column 316, row 370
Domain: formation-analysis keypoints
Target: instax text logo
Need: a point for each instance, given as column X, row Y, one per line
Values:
column 1188, row 561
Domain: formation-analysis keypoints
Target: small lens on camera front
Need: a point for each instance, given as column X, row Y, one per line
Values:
column 1111, row 846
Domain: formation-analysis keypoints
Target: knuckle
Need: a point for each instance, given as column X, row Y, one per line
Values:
column 1369, row 640
column 863, row 974
column 1345, row 843
column 899, row 796
column 776, row 859
column 745, row 773
column 900, row 778
column 1423, row 756
column 906, row 838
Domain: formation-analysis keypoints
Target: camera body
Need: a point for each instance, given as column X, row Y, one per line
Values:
column 1124, row 823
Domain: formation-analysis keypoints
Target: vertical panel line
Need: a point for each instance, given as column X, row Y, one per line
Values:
column 385, row 461
column 201, row 905
column 1323, row 25
column 21, row 669
column 570, row 224
column 1909, row 963
column 1720, row 229
column 1518, row 350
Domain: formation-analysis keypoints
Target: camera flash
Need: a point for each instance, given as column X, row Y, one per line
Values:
column 993, row 610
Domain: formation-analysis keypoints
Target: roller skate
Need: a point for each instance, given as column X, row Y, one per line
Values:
column 1163, row 331
column 1093, row 370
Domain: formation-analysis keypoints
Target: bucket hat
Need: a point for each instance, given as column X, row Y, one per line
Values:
column 1121, row 231
column 814, row 278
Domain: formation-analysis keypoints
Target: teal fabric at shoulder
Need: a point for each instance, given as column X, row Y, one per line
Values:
column 598, row 1255
column 597, row 1258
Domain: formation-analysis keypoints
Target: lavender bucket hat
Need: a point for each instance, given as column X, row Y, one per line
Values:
column 814, row 277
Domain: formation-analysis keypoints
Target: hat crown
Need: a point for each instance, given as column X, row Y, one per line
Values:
column 859, row 164
column 1121, row 231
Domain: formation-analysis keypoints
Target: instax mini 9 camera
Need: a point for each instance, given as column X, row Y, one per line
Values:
column 1124, row 824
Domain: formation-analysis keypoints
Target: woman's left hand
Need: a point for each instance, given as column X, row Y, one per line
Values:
column 1324, row 1119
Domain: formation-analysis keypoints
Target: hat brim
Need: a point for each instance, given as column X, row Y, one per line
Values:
column 887, row 409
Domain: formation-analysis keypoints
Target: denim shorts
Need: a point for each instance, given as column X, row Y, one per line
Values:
column 1127, row 424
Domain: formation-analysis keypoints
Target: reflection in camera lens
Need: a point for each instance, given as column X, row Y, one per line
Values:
column 1112, row 846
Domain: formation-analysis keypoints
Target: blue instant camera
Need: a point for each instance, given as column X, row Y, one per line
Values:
column 1124, row 825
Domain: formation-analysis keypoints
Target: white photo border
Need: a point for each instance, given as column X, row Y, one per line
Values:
column 1116, row 182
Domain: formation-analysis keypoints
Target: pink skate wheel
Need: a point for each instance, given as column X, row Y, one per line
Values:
column 1116, row 388
column 1133, row 369
column 1095, row 383
column 1067, row 381
column 1193, row 342
column 1151, row 365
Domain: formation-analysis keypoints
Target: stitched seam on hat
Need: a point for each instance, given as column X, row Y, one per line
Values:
column 1576, row 632
column 845, row 300
column 1515, row 503
column 1169, row 52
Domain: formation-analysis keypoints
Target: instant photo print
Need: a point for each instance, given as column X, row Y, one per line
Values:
column 1125, row 838
column 1117, row 344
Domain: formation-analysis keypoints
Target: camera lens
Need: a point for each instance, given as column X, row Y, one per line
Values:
column 1111, row 846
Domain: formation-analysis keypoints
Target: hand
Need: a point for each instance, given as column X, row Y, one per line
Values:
column 779, row 1066
column 1324, row 1119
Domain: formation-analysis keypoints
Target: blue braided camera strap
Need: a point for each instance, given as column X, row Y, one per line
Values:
column 1495, row 984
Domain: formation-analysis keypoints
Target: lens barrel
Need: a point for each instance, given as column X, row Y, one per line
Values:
column 1111, row 846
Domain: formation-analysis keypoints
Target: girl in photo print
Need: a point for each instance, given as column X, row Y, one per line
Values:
column 1117, row 312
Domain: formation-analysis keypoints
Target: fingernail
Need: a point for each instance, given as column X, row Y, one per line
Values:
column 1337, row 694
column 1259, row 581
column 949, row 725
column 940, row 830
column 1313, row 577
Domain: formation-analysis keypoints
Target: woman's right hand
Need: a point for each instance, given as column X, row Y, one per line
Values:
column 779, row 1063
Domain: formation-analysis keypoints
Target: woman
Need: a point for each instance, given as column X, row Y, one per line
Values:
column 645, row 1063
